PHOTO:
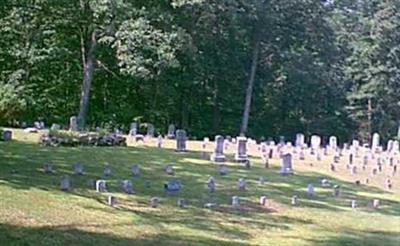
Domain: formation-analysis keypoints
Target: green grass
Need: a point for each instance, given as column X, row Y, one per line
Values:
column 34, row 212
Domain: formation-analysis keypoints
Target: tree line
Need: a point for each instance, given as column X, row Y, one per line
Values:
column 257, row 67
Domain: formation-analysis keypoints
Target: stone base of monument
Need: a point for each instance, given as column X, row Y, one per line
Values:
column 241, row 158
column 217, row 158
column 287, row 171
column 169, row 136
column 181, row 150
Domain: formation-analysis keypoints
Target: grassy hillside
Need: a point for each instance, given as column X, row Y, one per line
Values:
column 33, row 211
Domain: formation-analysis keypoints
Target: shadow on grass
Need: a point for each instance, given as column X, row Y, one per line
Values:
column 22, row 162
column 70, row 236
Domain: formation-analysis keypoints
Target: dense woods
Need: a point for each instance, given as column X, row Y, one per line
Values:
column 259, row 67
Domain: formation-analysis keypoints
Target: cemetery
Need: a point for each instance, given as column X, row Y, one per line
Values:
column 200, row 122
column 145, row 194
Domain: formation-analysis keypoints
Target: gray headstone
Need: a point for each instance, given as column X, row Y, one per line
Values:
column 7, row 135
column 286, row 164
column 181, row 140
column 211, row 184
column 264, row 201
column 235, row 201
column 241, row 184
column 218, row 155
column 150, row 130
column 171, row 131
column 65, row 183
column 135, row 170
column 111, row 201
column 154, row 202
column 133, row 129
column 127, row 186
column 241, row 149
column 101, row 186
column 78, row 168
column 299, row 140
column 73, row 123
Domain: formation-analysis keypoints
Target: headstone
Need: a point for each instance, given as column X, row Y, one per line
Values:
column 310, row 189
column 333, row 142
column 73, row 123
column 154, row 202
column 264, row 201
column 336, row 191
column 78, row 168
column 181, row 140
column 241, row 184
column 353, row 169
column 111, row 201
column 222, row 169
column 7, row 135
column 135, row 170
column 332, row 167
column 65, row 183
column 262, row 180
column 315, row 142
column 107, row 170
column 55, row 127
column 171, row 131
column 127, row 186
column 159, row 141
column 301, row 155
column 325, row 183
column 150, row 131
column 375, row 203
column 351, row 158
column 299, row 140
column 133, row 129
column 286, row 164
column 265, row 161
column 48, row 168
column 353, row 204
column 235, row 201
column 101, row 186
column 388, row 183
column 295, row 201
column 173, row 186
column 169, row 170
column 218, row 155
column 211, row 184
column 241, row 149
column 181, row 203
column 375, row 142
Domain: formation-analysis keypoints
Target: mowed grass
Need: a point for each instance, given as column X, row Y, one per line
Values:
column 33, row 211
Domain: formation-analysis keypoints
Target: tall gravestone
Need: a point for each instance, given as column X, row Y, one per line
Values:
column 133, row 129
column 315, row 142
column 286, row 164
column 150, row 130
column 171, row 131
column 73, row 123
column 299, row 140
column 181, row 140
column 218, row 155
column 241, row 149
column 332, row 142
column 375, row 141
column 7, row 135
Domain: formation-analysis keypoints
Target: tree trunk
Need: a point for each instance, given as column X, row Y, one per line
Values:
column 88, row 69
column 249, row 91
column 216, row 109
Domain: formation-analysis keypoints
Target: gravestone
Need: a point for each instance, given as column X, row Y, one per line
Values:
column 73, row 123
column 181, row 203
column 351, row 158
column 241, row 184
column 389, row 147
column 299, row 140
column 169, row 170
column 135, row 170
column 333, row 142
column 264, row 201
column 218, row 155
column 48, row 168
column 262, row 180
column 171, row 131
column 332, row 167
column 315, row 142
column 310, row 189
column 172, row 186
column 55, row 127
column 154, row 202
column 107, row 170
column 127, row 186
column 150, row 131
column 325, row 183
column 375, row 203
column 301, row 155
column 211, row 184
column 65, row 183
column 295, row 200
column 241, row 149
column 353, row 169
column 375, row 142
column 133, row 129
column 159, row 141
column 101, row 185
column 7, row 135
column 78, row 168
column 353, row 204
column 181, row 140
column 388, row 183
column 111, row 201
column 286, row 164
column 235, row 201
column 222, row 169
column 336, row 191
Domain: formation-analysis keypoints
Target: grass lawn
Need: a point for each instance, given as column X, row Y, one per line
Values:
column 33, row 211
